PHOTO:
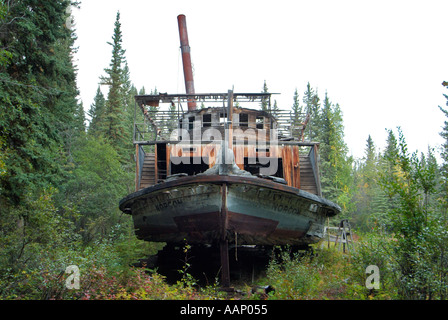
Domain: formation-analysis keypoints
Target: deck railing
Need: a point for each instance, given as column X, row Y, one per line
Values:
column 160, row 124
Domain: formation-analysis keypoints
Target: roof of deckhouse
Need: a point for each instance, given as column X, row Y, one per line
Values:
column 154, row 100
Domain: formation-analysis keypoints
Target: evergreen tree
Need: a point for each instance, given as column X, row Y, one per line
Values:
column 275, row 109
column 40, row 124
column 370, row 163
column 391, row 151
column 114, row 128
column 296, row 108
column 265, row 103
column 129, row 92
column 444, row 156
column 387, row 168
column 420, row 235
column 38, row 92
column 96, row 113
column 334, row 163
column 312, row 109
column 308, row 97
column 296, row 117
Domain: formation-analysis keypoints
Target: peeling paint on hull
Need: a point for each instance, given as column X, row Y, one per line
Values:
column 249, row 210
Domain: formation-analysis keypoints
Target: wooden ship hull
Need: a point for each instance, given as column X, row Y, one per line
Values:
column 245, row 210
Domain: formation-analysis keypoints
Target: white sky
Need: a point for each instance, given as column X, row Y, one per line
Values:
column 382, row 61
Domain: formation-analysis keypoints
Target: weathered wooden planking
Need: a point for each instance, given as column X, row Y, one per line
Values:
column 296, row 166
column 287, row 165
column 297, row 169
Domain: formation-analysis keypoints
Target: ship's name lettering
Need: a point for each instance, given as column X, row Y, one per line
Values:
column 284, row 208
column 164, row 205
column 276, row 207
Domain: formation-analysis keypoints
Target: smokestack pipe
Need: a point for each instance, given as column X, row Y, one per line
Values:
column 186, row 60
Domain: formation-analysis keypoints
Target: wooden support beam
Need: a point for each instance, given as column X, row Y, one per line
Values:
column 225, row 268
column 223, row 243
column 137, row 166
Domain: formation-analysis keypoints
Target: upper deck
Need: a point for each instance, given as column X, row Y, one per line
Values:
column 265, row 142
column 166, row 119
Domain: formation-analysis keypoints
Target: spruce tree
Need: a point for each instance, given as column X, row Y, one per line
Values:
column 275, row 109
column 264, row 103
column 40, row 123
column 311, row 101
column 129, row 91
column 113, row 126
column 38, row 92
column 444, row 156
column 297, row 117
column 370, row 162
column 96, row 113
column 334, row 163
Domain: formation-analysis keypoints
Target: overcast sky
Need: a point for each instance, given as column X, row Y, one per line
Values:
column 383, row 62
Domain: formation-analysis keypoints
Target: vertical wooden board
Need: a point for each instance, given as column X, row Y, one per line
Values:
column 137, row 167
column 273, row 151
column 251, row 121
column 198, row 150
column 156, row 174
column 238, row 151
column 296, row 166
column 208, row 153
column 287, row 161
column 213, row 153
column 168, row 160
column 230, row 117
column 251, row 151
column 317, row 177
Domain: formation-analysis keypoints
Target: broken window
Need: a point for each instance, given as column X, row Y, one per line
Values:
column 222, row 118
column 190, row 123
column 244, row 119
column 193, row 166
column 263, row 162
column 260, row 122
column 207, row 120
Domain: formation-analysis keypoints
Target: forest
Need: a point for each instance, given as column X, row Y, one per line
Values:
column 64, row 170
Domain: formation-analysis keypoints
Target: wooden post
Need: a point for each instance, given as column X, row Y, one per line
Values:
column 137, row 166
column 223, row 243
column 156, row 173
column 296, row 166
column 229, row 125
column 225, row 269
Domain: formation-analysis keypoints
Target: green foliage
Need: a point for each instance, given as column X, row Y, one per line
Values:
column 60, row 187
column 335, row 164
column 375, row 248
column 96, row 113
column 37, row 95
column 264, row 104
column 325, row 125
column 113, row 126
column 292, row 278
column 325, row 274
column 420, row 235
column 94, row 186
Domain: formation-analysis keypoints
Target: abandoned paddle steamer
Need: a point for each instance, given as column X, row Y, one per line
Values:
column 224, row 173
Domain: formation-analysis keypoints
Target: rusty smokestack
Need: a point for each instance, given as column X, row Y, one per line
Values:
column 186, row 60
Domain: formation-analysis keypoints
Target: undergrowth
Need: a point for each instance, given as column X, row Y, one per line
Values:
column 326, row 273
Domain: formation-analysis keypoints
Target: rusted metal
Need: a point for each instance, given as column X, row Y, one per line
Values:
column 186, row 60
